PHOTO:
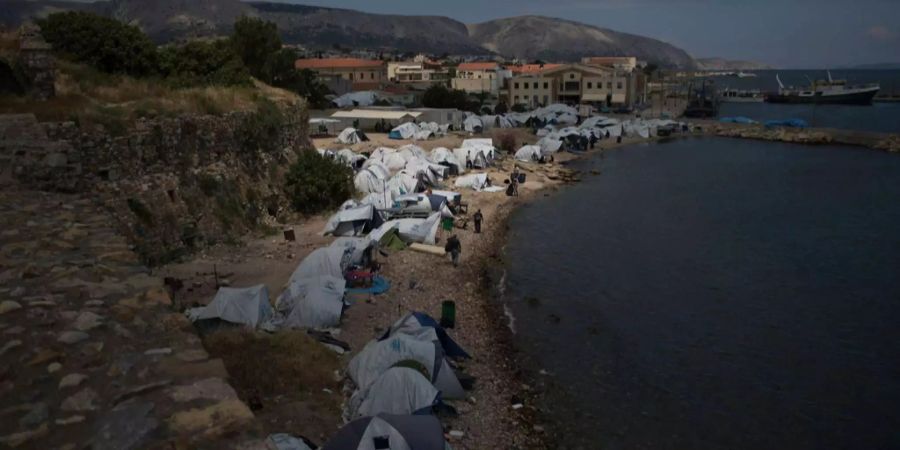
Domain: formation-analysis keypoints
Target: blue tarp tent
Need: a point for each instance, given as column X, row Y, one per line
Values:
column 790, row 123
column 421, row 325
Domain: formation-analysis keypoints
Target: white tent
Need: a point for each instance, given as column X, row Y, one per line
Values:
column 315, row 302
column 379, row 356
column 351, row 136
column 362, row 98
column 370, row 180
column 397, row 432
column 399, row 390
column 423, row 231
column 331, row 261
column 350, row 220
column 402, row 183
column 406, row 131
column 529, row 153
column 475, row 181
column 473, row 124
column 444, row 156
column 247, row 306
column 349, row 158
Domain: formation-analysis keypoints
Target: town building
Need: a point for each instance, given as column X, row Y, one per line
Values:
column 624, row 63
column 420, row 73
column 572, row 84
column 363, row 74
column 478, row 78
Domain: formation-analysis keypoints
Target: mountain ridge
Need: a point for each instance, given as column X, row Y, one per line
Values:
column 318, row 27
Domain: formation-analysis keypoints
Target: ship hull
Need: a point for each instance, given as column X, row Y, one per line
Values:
column 849, row 98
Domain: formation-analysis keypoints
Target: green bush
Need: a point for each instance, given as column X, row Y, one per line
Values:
column 316, row 184
column 438, row 96
column 280, row 70
column 261, row 131
column 106, row 44
column 200, row 63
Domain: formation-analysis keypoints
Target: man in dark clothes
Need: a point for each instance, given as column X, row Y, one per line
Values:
column 453, row 247
column 478, row 217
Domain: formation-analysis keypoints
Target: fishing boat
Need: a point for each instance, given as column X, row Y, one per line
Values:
column 741, row 96
column 702, row 103
column 828, row 91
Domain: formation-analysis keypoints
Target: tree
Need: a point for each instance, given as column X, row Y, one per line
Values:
column 254, row 41
column 201, row 63
column 280, row 71
column 501, row 108
column 438, row 96
column 105, row 44
column 315, row 184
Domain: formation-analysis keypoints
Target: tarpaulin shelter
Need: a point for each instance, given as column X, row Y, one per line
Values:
column 389, row 432
column 423, row 327
column 475, row 181
column 243, row 306
column 399, row 390
column 529, row 153
column 351, row 136
column 331, row 261
column 379, row 356
column 315, row 302
column 352, row 220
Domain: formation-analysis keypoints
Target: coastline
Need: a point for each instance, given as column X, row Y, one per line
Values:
column 421, row 282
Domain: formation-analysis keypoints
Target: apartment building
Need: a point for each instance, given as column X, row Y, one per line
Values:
column 363, row 74
column 571, row 84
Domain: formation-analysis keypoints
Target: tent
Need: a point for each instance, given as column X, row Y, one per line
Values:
column 445, row 157
column 351, row 136
column 423, row 327
column 351, row 159
column 475, row 181
column 473, row 124
column 404, row 131
column 404, row 182
column 362, row 98
column 352, row 220
column 399, row 390
column 423, row 231
column 245, row 306
column 472, row 156
column 529, row 153
column 384, row 431
column 331, row 261
column 315, row 302
column 379, row 356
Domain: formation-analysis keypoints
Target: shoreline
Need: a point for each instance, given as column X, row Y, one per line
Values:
column 420, row 282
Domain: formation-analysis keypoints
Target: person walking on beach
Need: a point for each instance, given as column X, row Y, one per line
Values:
column 453, row 247
column 478, row 217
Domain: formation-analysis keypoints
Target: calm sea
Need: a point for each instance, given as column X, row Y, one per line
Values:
column 883, row 117
column 715, row 294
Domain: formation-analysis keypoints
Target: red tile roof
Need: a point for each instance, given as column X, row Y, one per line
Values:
column 532, row 68
column 479, row 66
column 337, row 63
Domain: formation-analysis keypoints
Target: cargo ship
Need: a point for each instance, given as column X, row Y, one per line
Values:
column 828, row 91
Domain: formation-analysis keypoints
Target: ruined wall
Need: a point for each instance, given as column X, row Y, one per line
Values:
column 171, row 184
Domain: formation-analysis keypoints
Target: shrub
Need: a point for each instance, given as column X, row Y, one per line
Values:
column 280, row 71
column 200, row 63
column 501, row 108
column 261, row 130
column 103, row 43
column 315, row 184
column 508, row 142
column 438, row 96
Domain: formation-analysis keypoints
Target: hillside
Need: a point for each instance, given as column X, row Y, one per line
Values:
column 536, row 37
column 727, row 64
column 316, row 27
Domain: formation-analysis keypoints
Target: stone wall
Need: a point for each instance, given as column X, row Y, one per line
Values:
column 172, row 184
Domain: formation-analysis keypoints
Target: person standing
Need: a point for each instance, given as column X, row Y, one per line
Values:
column 478, row 217
column 454, row 248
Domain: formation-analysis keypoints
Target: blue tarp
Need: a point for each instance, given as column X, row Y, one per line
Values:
column 451, row 348
column 790, row 123
column 738, row 119
column 380, row 285
column 395, row 135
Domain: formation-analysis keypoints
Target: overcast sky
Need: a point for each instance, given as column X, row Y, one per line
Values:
column 785, row 33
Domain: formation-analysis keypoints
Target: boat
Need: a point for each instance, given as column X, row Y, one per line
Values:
column 701, row 104
column 745, row 75
column 828, row 91
column 741, row 96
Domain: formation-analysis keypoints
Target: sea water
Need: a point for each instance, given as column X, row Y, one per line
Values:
column 714, row 293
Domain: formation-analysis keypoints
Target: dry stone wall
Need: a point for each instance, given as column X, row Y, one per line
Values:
column 171, row 184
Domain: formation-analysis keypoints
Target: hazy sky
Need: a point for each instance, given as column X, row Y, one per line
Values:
column 785, row 33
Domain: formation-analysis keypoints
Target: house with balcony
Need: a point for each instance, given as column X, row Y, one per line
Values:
column 422, row 73
column 572, row 84
column 479, row 78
